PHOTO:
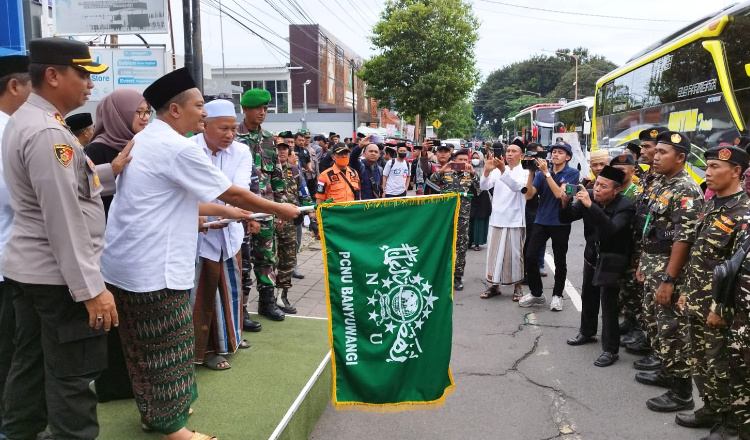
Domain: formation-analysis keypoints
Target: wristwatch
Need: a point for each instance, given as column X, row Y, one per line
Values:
column 666, row 278
column 547, row 174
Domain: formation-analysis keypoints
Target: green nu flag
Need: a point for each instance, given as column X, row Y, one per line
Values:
column 389, row 283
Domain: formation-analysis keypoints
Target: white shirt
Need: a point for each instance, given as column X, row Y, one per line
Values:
column 396, row 175
column 6, row 212
column 236, row 163
column 508, row 203
column 152, row 228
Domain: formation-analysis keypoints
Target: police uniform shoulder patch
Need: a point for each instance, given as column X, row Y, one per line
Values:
column 64, row 154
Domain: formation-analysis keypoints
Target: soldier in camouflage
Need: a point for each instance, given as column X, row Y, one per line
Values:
column 719, row 224
column 668, row 235
column 272, row 186
column 639, row 328
column 286, row 234
column 467, row 184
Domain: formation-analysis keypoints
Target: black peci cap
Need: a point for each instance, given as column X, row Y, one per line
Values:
column 168, row 86
column 79, row 121
column 613, row 174
column 64, row 52
column 675, row 139
column 650, row 134
column 13, row 64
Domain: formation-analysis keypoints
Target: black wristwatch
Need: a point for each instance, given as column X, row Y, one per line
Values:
column 666, row 278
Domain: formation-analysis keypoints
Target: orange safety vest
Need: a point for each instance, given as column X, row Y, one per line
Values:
column 337, row 185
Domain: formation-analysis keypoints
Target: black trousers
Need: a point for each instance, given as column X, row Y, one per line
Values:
column 57, row 355
column 539, row 236
column 591, row 297
column 7, row 338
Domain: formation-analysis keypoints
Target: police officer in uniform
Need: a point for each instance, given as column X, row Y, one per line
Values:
column 638, row 334
column 668, row 235
column 272, row 186
column 466, row 183
column 51, row 260
column 339, row 182
column 719, row 225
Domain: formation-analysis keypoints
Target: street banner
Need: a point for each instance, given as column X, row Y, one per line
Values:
column 389, row 287
column 87, row 17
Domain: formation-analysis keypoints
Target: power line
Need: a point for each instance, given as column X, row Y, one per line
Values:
column 571, row 22
column 581, row 13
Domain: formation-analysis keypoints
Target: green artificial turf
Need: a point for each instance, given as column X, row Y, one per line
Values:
column 249, row 400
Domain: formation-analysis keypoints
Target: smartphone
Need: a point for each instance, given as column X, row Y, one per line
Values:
column 458, row 166
column 435, row 143
column 498, row 152
column 572, row 190
column 375, row 139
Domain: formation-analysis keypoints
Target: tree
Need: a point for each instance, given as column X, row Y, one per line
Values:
column 426, row 62
column 457, row 122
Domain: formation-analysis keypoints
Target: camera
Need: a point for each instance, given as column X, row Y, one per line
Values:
column 435, row 143
column 529, row 164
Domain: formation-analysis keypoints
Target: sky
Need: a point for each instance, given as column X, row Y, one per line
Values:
column 507, row 33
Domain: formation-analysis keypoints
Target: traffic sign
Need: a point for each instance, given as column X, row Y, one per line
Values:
column 437, row 123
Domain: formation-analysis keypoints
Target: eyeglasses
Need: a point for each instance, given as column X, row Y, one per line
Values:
column 144, row 114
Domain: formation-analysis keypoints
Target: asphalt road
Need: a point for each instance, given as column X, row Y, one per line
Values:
column 516, row 378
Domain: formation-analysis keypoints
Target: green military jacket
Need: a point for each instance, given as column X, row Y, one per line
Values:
column 717, row 232
column 271, row 181
column 458, row 182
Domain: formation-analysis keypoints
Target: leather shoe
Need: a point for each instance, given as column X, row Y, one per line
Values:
column 649, row 363
column 669, row 402
column 299, row 276
column 632, row 337
column 702, row 418
column 606, row 359
column 626, row 326
column 579, row 339
column 458, row 284
column 643, row 347
column 656, row 378
column 721, row 432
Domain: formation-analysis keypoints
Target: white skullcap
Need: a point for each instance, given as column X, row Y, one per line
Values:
column 220, row 108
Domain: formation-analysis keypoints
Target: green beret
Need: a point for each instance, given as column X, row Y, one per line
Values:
column 255, row 98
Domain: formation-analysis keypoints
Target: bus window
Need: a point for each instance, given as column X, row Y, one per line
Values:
column 639, row 90
column 545, row 115
column 622, row 93
column 736, row 48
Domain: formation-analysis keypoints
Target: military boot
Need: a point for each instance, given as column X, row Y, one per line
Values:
column 283, row 302
column 458, row 283
column 656, row 378
column 678, row 398
column 649, row 363
column 705, row 417
column 725, row 429
column 248, row 324
column 632, row 337
column 626, row 326
column 267, row 304
column 642, row 347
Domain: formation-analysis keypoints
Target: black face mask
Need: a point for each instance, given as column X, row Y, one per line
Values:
column 402, row 155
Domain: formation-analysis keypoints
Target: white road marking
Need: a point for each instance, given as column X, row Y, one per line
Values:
column 569, row 289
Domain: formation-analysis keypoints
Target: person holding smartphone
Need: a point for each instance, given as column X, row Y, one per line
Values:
column 458, row 176
column 397, row 173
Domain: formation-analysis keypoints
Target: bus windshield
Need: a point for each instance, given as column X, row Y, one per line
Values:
column 545, row 115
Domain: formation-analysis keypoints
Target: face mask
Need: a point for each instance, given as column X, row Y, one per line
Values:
column 342, row 161
column 402, row 155
column 475, row 162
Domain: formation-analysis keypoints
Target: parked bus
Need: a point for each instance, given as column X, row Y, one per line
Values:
column 535, row 123
column 576, row 117
column 695, row 81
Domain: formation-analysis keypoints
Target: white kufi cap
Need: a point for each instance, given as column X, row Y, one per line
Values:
column 220, row 108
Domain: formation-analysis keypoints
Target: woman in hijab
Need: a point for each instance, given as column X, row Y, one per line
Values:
column 481, row 208
column 119, row 116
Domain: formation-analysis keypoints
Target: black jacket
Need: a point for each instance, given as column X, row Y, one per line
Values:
column 608, row 228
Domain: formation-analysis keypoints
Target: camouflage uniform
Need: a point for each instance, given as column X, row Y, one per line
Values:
column 271, row 186
column 459, row 182
column 631, row 290
column 286, row 236
column 673, row 212
column 716, row 234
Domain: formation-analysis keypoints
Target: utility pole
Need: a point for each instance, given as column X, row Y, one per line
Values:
column 197, row 45
column 575, row 57
column 187, row 33
column 354, row 105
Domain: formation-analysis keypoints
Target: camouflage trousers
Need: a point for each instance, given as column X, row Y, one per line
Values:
column 462, row 245
column 739, row 373
column 709, row 361
column 286, row 239
column 264, row 255
column 631, row 296
column 671, row 323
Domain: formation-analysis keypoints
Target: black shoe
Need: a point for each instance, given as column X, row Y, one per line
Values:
column 249, row 325
column 656, row 379
column 678, row 398
column 632, row 337
column 299, row 276
column 606, row 359
column 267, row 305
column 721, row 432
column 458, row 284
column 649, row 363
column 579, row 339
column 285, row 306
column 642, row 348
column 626, row 326
column 702, row 418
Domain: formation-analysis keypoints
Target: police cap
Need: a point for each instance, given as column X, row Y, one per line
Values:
column 64, row 52
column 340, row 148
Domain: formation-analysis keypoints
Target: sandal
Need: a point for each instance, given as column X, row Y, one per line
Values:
column 147, row 429
column 477, row 248
column 244, row 344
column 213, row 362
column 489, row 293
column 517, row 295
column 199, row 436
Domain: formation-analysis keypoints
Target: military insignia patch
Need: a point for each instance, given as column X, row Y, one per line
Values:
column 96, row 180
column 60, row 120
column 676, row 138
column 727, row 220
column 686, row 203
column 334, row 178
column 723, row 227
column 725, row 154
column 622, row 158
column 64, row 154
column 653, row 134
